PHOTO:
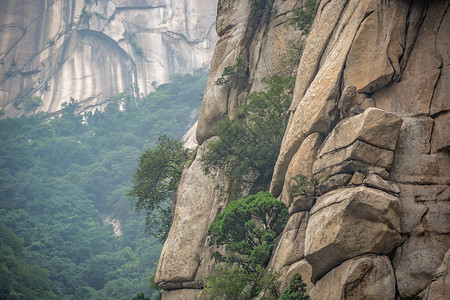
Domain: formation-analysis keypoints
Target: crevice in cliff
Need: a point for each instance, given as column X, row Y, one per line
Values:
column 440, row 73
column 415, row 27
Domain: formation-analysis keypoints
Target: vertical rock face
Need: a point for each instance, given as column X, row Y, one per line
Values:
column 93, row 50
column 369, row 126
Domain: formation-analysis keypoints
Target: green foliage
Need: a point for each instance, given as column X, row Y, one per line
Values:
column 231, row 282
column 304, row 16
column 85, row 15
column 131, row 39
column 248, row 145
column 300, row 185
column 291, row 59
column 19, row 280
column 155, row 182
column 260, row 7
column 235, row 71
column 247, row 228
column 140, row 296
column 296, row 289
column 30, row 103
column 61, row 177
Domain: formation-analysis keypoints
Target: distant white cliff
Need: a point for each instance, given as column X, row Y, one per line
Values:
column 91, row 50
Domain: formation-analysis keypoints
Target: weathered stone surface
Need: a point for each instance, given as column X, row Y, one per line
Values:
column 374, row 126
column 232, row 24
column 368, row 66
column 440, row 140
column 347, row 104
column 291, row 247
column 412, row 95
column 440, row 101
column 328, row 16
column 334, row 182
column 314, row 104
column 366, row 277
column 412, row 161
column 416, row 261
column 440, row 284
column 437, row 218
column 357, row 179
column 416, row 201
column 183, row 294
column 52, row 50
column 415, row 136
column 368, row 102
column 350, row 222
column 349, row 167
column 301, row 267
column 360, row 151
column 375, row 181
column 301, row 203
column 301, row 163
column 196, row 208
column 444, row 195
column 421, row 168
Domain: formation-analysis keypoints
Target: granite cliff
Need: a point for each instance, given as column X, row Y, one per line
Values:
column 93, row 50
column 369, row 124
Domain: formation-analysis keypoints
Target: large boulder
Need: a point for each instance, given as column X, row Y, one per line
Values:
column 374, row 126
column 301, row 163
column 197, row 205
column 366, row 277
column 291, row 247
column 359, row 151
column 368, row 138
column 350, row 222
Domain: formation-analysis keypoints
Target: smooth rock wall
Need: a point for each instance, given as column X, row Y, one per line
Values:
column 93, row 50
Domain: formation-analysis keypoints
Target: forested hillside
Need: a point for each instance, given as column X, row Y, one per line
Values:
column 62, row 178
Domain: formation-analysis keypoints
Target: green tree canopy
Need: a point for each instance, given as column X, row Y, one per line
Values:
column 248, row 145
column 155, row 182
column 296, row 289
column 247, row 228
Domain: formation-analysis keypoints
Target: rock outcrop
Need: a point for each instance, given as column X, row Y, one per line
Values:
column 93, row 50
column 368, row 125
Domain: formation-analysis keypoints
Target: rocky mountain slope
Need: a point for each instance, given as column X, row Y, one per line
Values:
column 92, row 50
column 369, row 124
